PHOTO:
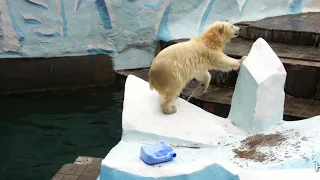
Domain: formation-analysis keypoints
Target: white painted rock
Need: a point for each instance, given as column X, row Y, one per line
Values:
column 258, row 99
column 207, row 146
column 191, row 131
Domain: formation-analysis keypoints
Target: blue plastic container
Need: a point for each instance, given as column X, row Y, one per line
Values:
column 157, row 153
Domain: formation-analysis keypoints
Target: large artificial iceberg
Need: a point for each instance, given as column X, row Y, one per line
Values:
column 210, row 147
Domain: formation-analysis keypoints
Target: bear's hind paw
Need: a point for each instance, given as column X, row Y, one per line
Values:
column 169, row 109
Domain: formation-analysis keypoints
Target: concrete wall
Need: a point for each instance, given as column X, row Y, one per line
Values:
column 124, row 29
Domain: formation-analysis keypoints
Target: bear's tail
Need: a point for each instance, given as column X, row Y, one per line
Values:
column 151, row 85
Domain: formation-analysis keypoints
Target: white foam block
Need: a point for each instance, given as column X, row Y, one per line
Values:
column 258, row 99
column 204, row 143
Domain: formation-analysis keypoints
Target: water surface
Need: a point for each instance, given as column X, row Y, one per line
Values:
column 40, row 132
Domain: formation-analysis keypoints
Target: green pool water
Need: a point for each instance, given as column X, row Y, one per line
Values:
column 40, row 132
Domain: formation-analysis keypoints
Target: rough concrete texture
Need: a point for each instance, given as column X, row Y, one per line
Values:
column 125, row 29
column 207, row 146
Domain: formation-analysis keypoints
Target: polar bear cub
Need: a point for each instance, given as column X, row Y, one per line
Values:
column 175, row 66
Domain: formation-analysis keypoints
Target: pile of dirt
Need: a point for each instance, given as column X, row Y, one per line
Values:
column 249, row 148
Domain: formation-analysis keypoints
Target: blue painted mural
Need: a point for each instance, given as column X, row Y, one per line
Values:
column 124, row 29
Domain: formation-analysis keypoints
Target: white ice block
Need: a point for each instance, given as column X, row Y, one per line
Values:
column 258, row 99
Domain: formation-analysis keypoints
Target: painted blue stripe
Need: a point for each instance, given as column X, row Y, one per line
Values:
column 53, row 35
column 104, row 14
column 96, row 51
column 13, row 53
column 14, row 22
column 64, row 18
column 154, row 7
column 32, row 21
column 36, row 4
column 243, row 7
column 78, row 5
column 163, row 30
column 295, row 7
column 205, row 16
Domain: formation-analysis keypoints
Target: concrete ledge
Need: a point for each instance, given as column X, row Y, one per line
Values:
column 37, row 74
column 296, row 29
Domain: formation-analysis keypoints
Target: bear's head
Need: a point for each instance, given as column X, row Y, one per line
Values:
column 222, row 31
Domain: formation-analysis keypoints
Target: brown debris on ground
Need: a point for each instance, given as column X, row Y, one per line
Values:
column 181, row 146
column 249, row 146
column 252, row 154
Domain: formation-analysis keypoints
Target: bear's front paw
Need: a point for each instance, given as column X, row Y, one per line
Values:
column 204, row 87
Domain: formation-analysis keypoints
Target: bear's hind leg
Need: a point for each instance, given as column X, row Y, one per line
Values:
column 167, row 102
column 204, row 77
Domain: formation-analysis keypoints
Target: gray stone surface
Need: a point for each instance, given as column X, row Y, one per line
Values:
column 88, row 170
column 297, row 29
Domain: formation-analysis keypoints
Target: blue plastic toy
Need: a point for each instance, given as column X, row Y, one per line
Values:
column 157, row 153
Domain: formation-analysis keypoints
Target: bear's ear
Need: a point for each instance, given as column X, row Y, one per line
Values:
column 221, row 28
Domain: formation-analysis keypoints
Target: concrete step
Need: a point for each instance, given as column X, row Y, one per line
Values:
column 84, row 168
column 296, row 29
column 302, row 64
column 217, row 99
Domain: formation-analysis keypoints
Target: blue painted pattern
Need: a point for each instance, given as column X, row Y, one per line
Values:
column 54, row 34
column 124, row 24
column 104, row 14
column 32, row 21
column 295, row 7
column 96, row 51
column 156, row 6
column 14, row 22
column 36, row 4
column 163, row 31
column 132, row 1
column 79, row 3
column 244, row 6
column 205, row 16
column 64, row 19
